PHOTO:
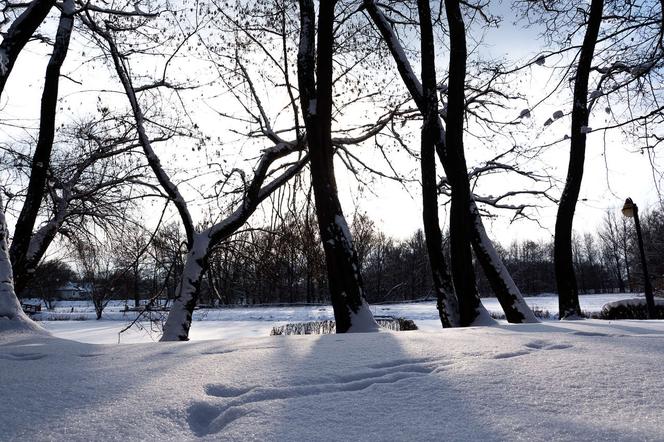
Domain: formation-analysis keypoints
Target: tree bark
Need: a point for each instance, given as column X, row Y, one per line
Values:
column 457, row 172
column 18, row 35
column 446, row 300
column 351, row 310
column 42, row 156
column 568, row 293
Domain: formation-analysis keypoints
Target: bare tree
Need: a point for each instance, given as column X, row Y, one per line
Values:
column 42, row 155
column 315, row 79
column 447, row 302
column 93, row 178
column 568, row 294
column 511, row 300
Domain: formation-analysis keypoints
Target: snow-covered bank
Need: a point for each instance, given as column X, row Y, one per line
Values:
column 582, row 380
column 77, row 310
column 232, row 323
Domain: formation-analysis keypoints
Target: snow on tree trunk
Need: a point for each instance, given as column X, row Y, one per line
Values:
column 568, row 293
column 515, row 307
column 12, row 317
column 178, row 323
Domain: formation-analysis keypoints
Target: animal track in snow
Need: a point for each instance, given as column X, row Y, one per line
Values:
column 207, row 418
column 22, row 356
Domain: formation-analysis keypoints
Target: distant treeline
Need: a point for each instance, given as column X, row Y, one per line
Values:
column 284, row 263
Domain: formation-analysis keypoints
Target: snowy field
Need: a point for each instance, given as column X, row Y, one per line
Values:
column 575, row 381
column 232, row 323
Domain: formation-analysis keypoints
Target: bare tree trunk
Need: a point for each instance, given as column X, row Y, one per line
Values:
column 351, row 311
column 568, row 293
column 625, row 250
column 446, row 300
column 509, row 296
column 18, row 35
column 470, row 307
column 42, row 156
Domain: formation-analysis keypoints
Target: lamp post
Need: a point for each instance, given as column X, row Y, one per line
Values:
column 630, row 210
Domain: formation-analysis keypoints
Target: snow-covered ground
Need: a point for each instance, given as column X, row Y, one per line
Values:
column 581, row 380
column 231, row 323
column 416, row 310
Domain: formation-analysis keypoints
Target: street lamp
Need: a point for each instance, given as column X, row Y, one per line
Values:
column 630, row 210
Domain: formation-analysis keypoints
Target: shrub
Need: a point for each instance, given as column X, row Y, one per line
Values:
column 328, row 327
column 631, row 309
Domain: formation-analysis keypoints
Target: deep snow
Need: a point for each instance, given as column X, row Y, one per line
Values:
column 577, row 380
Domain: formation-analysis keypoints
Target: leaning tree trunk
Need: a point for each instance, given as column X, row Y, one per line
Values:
column 42, row 156
column 18, row 35
column 509, row 296
column 446, row 300
column 568, row 293
column 187, row 292
column 470, row 307
column 351, row 311
column 501, row 282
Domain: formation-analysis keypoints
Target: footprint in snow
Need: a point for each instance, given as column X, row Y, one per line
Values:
column 22, row 356
column 589, row 333
column 207, row 417
column 510, row 354
column 544, row 345
column 530, row 347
